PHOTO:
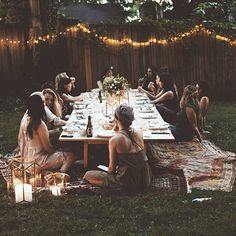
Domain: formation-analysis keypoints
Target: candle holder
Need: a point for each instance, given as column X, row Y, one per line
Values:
column 56, row 182
column 24, row 181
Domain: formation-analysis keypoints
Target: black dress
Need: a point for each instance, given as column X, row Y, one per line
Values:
column 169, row 109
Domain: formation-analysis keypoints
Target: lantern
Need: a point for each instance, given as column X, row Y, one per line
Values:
column 24, row 181
column 56, row 182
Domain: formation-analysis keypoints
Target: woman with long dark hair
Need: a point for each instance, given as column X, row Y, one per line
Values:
column 34, row 141
column 166, row 100
column 128, row 167
column 149, row 77
column 108, row 72
column 65, row 86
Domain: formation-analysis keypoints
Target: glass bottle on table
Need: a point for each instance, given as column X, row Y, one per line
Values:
column 89, row 130
column 100, row 96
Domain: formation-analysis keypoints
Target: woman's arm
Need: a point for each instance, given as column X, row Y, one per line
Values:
column 112, row 155
column 69, row 98
column 204, row 102
column 192, row 118
column 100, row 84
column 44, row 137
column 150, row 95
column 163, row 97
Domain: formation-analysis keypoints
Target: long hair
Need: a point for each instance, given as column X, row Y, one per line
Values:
column 36, row 112
column 188, row 94
column 58, row 78
column 61, row 85
column 56, row 107
column 168, row 83
column 205, row 88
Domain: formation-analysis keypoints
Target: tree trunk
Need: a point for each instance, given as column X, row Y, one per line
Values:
column 35, row 25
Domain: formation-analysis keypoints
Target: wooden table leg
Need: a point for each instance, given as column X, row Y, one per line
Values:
column 85, row 154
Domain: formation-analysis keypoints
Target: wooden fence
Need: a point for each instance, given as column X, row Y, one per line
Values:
column 12, row 58
column 197, row 57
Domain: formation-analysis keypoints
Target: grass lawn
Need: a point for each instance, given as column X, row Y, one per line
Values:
column 143, row 214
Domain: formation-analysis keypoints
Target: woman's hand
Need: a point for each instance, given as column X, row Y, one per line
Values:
column 140, row 89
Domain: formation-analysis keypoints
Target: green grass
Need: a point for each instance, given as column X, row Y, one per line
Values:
column 137, row 214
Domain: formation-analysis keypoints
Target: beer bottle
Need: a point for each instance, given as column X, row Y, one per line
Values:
column 89, row 130
column 100, row 96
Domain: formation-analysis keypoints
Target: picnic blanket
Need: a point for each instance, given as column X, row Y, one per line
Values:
column 167, row 181
column 205, row 166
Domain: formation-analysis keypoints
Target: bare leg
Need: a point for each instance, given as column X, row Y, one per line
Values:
column 59, row 160
column 95, row 177
column 70, row 159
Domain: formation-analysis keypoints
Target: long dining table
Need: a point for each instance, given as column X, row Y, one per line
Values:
column 147, row 119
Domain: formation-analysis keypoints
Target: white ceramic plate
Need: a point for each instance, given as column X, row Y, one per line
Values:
column 147, row 116
column 105, row 133
column 152, row 127
column 81, row 106
column 146, row 111
column 141, row 99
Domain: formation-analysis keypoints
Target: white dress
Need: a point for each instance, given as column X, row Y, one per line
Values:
column 38, row 148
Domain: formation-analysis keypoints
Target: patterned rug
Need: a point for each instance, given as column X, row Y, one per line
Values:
column 176, row 166
column 162, row 181
column 205, row 166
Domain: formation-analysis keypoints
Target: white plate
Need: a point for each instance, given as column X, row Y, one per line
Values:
column 80, row 103
column 134, row 90
column 141, row 99
column 141, row 102
column 82, row 122
column 82, row 106
column 146, row 111
column 105, row 133
column 148, row 116
column 81, row 112
column 152, row 127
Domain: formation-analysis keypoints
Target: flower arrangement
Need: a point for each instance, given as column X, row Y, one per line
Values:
column 111, row 84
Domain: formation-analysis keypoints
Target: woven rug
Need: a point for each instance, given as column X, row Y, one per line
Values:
column 205, row 166
column 162, row 181
column 5, row 172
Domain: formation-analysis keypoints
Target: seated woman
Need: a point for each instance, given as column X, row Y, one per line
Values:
column 64, row 88
column 203, row 98
column 128, row 166
column 166, row 100
column 58, row 78
column 34, row 141
column 50, row 85
column 52, row 103
column 144, row 82
column 187, row 122
column 53, row 115
column 107, row 73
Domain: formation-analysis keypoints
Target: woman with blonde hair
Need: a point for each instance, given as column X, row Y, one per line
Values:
column 188, row 117
column 128, row 166
column 51, row 101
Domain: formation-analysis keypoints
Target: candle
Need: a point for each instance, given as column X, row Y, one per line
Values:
column 56, row 191
column 35, row 181
column 23, row 192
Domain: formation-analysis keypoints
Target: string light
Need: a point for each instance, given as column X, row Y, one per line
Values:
column 124, row 41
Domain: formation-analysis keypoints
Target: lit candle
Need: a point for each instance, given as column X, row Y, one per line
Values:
column 56, row 191
column 23, row 192
column 35, row 181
